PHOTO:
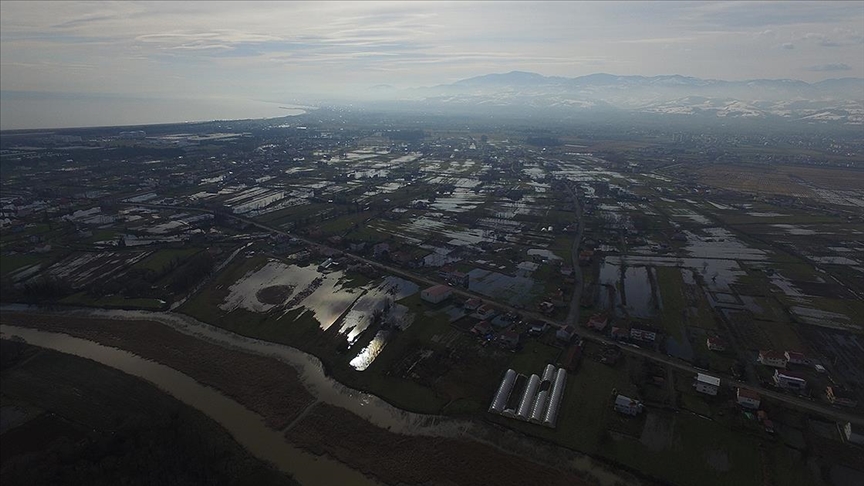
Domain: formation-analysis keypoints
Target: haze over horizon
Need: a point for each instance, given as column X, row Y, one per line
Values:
column 103, row 63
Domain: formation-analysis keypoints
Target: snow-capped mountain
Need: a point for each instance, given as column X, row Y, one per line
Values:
column 833, row 100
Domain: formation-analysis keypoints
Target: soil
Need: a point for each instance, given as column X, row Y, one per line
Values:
column 264, row 385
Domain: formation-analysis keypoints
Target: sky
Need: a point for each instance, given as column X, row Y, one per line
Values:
column 142, row 56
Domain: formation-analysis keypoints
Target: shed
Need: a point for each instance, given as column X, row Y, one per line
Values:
column 436, row 294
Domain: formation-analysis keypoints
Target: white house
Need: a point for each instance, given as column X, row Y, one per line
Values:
column 789, row 381
column 748, row 398
column 795, row 357
column 716, row 344
column 436, row 294
column 627, row 405
column 772, row 358
column 706, row 384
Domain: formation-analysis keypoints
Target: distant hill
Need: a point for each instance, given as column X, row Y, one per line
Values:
column 829, row 101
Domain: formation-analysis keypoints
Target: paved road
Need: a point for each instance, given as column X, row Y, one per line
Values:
column 792, row 401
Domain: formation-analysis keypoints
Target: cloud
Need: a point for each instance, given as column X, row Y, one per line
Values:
column 788, row 46
column 841, row 37
column 830, row 67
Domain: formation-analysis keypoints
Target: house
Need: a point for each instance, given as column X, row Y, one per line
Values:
column 706, row 384
column 565, row 334
column 381, row 250
column 598, row 322
column 484, row 312
column 789, row 381
column 795, row 357
column 840, row 396
column 436, row 294
column 472, row 304
column 772, row 358
column 853, row 433
column 482, row 328
column 748, row 398
column 510, row 339
column 627, row 405
column 450, row 274
column 618, row 333
column 716, row 344
column 643, row 333
column 537, row 328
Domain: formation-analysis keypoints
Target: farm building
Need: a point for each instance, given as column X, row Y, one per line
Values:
column 436, row 294
column 789, row 381
column 772, row 358
column 528, row 398
column 555, row 396
column 706, row 384
column 572, row 357
column 627, row 405
column 748, row 398
column 536, row 401
column 795, row 357
column 503, row 393
column 853, row 433
column 716, row 344
column 840, row 396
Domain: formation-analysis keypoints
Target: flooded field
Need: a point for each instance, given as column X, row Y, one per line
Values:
column 638, row 296
column 280, row 288
column 515, row 290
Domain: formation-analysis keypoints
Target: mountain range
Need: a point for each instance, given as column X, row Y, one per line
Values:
column 829, row 101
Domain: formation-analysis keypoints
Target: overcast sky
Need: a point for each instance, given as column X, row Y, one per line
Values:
column 273, row 51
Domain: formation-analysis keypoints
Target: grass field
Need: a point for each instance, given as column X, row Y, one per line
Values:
column 112, row 302
column 162, row 259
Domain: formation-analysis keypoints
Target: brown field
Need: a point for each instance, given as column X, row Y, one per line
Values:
column 402, row 459
column 781, row 180
column 264, row 385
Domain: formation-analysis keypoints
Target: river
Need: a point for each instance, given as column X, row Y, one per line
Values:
column 247, row 427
